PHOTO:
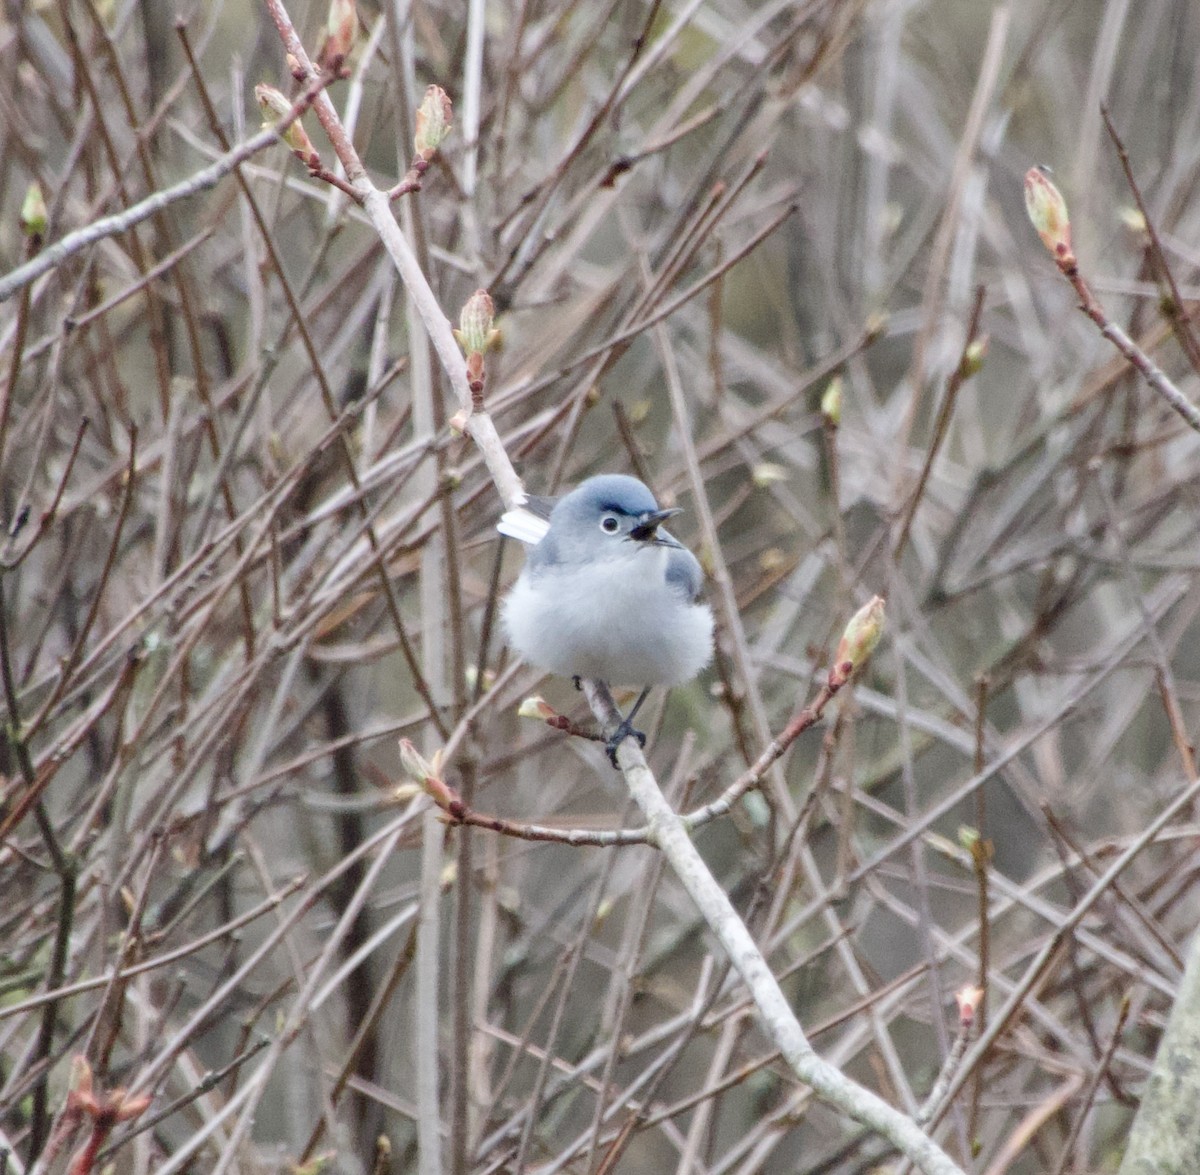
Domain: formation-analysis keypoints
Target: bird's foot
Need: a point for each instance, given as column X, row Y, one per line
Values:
column 618, row 736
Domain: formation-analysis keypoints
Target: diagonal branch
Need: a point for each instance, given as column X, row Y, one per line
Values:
column 778, row 1019
column 119, row 222
column 666, row 827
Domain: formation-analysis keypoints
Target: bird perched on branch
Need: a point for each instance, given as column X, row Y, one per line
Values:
column 606, row 593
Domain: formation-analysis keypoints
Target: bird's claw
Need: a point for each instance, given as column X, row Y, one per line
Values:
column 617, row 737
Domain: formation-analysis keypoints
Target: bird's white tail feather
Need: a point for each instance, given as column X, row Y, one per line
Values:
column 522, row 524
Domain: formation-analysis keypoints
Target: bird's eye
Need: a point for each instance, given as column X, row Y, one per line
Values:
column 610, row 524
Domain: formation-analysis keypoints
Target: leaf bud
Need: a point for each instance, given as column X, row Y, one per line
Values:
column 968, row 1000
column 435, row 119
column 33, row 211
column 831, row 401
column 475, row 333
column 858, row 642
column 275, row 107
column 973, row 357
column 1048, row 214
column 340, row 30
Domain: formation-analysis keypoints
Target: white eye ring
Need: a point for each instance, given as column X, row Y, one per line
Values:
column 610, row 524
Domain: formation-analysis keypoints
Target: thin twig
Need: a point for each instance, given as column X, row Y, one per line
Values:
column 1151, row 373
column 1180, row 321
column 109, row 226
column 963, row 370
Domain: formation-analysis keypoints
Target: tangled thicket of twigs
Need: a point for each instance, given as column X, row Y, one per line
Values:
column 245, row 552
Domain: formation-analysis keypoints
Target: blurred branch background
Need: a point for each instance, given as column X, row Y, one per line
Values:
column 244, row 554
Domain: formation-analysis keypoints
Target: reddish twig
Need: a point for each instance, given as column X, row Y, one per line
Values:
column 1175, row 313
column 104, row 1111
column 1048, row 212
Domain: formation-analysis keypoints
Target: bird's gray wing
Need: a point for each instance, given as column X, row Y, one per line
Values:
column 684, row 573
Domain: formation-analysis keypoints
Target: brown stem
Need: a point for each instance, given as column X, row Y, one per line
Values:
column 958, row 377
column 1179, row 321
column 1152, row 374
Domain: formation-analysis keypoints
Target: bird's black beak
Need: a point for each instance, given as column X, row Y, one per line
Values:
column 649, row 523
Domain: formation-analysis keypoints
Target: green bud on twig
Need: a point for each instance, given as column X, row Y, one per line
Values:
column 435, row 120
column 341, row 27
column 973, row 357
column 413, row 763
column 428, row 774
column 831, row 401
column 858, row 642
column 1048, row 214
column 475, row 334
column 33, row 211
column 275, row 107
column 273, row 103
column 766, row 473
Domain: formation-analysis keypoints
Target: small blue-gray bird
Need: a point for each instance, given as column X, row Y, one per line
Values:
column 606, row 593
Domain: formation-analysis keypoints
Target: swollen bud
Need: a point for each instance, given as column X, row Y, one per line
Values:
column 435, row 119
column 968, row 1000
column 1048, row 214
column 415, row 765
column 1134, row 222
column 973, row 356
column 536, row 707
column 858, row 642
column 340, row 30
column 33, row 211
column 767, row 473
column 831, row 402
column 475, row 678
column 428, row 775
column 273, row 103
column 475, row 334
column 275, row 107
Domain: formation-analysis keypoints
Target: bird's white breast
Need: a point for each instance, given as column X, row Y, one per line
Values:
column 616, row 620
